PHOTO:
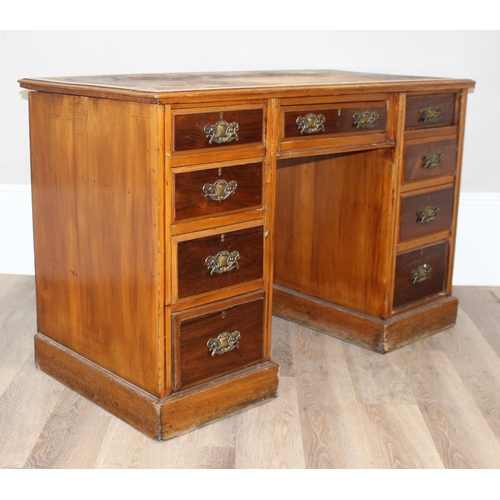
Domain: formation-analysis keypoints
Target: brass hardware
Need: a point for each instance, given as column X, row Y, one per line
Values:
column 223, row 262
column 222, row 237
column 220, row 189
column 422, row 273
column 311, row 123
column 431, row 114
column 222, row 131
column 432, row 159
column 225, row 342
column 365, row 119
column 427, row 214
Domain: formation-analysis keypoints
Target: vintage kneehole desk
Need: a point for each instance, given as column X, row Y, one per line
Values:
column 174, row 213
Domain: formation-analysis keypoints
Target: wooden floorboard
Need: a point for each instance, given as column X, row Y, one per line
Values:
column 430, row 405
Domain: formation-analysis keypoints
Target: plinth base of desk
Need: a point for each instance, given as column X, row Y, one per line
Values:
column 376, row 334
column 164, row 418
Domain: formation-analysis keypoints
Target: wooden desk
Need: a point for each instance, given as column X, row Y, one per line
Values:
column 164, row 205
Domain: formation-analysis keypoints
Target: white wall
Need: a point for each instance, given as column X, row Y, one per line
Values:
column 460, row 54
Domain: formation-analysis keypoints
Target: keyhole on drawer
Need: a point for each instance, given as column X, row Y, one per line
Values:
column 220, row 172
column 340, row 111
column 223, row 314
column 222, row 237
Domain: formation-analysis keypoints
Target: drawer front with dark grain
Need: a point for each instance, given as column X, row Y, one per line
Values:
column 430, row 159
column 219, row 261
column 426, row 213
column 420, row 273
column 430, row 110
column 218, row 129
column 216, row 191
column 212, row 343
column 333, row 119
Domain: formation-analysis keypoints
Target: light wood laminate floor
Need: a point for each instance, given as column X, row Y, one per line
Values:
column 432, row 405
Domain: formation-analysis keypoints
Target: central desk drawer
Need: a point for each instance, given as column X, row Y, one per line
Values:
column 213, row 341
column 215, row 191
column 218, row 128
column 425, row 213
column 313, row 121
column 209, row 263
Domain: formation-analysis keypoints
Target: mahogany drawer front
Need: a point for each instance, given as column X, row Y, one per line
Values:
column 212, row 344
column 214, row 191
column 218, row 261
column 346, row 118
column 430, row 159
column 420, row 273
column 430, row 110
column 216, row 129
column 425, row 213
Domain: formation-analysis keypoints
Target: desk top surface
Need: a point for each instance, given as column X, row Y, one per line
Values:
column 166, row 85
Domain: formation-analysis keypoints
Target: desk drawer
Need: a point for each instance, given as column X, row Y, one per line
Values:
column 430, row 159
column 420, row 273
column 213, row 341
column 431, row 110
column 425, row 213
column 209, row 263
column 218, row 128
column 310, row 121
column 215, row 191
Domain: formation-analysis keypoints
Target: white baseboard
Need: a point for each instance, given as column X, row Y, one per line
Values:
column 477, row 257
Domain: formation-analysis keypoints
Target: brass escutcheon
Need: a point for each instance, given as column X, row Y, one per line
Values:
column 427, row 214
column 365, row 119
column 432, row 159
column 223, row 262
column 422, row 273
column 431, row 114
column 222, row 131
column 219, row 190
column 310, row 124
column 225, row 342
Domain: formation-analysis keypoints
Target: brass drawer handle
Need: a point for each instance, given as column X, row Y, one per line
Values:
column 219, row 190
column 422, row 273
column 427, row 214
column 223, row 262
column 225, row 342
column 365, row 119
column 432, row 159
column 431, row 114
column 222, row 131
column 311, row 123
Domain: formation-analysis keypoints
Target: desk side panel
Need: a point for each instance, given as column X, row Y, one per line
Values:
column 96, row 205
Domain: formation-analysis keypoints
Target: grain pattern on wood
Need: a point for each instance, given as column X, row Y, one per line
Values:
column 271, row 437
column 282, row 352
column 378, row 380
column 483, row 307
column 459, row 431
column 477, row 364
column 402, row 438
column 74, row 431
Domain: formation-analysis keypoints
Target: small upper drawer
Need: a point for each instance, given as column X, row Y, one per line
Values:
column 215, row 191
column 430, row 159
column 308, row 121
column 426, row 212
column 208, row 263
column 430, row 110
column 213, row 341
column 420, row 273
column 218, row 128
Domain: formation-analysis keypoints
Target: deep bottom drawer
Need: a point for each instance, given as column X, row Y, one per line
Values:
column 216, row 340
column 420, row 273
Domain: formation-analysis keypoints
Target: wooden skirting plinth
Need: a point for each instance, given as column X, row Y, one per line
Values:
column 165, row 418
column 379, row 335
